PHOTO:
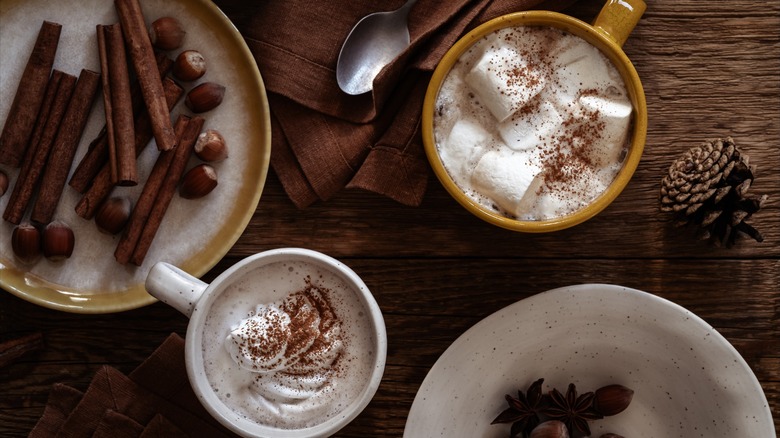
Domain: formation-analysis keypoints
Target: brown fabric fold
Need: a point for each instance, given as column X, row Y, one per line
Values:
column 325, row 140
column 115, row 425
column 62, row 401
column 164, row 374
column 395, row 165
column 156, row 400
column 99, row 397
column 160, row 427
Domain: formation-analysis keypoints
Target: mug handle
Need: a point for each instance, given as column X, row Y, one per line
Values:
column 174, row 287
column 618, row 18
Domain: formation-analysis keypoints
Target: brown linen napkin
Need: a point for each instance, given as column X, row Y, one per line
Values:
column 325, row 140
column 62, row 401
column 160, row 427
column 115, row 425
column 165, row 374
column 111, row 390
column 156, row 400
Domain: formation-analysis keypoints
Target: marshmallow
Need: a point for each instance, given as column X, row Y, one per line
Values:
column 527, row 129
column 504, row 177
column 581, row 66
column 527, row 206
column 465, row 143
column 546, row 201
column 504, row 81
column 615, row 111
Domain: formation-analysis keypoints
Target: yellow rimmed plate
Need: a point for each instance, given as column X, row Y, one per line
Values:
column 195, row 234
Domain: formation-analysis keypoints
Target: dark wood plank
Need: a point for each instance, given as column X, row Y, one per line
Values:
column 362, row 224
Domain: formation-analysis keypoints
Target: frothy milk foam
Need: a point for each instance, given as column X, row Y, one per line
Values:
column 288, row 345
column 532, row 122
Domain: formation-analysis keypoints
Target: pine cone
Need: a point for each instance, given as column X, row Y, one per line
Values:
column 707, row 186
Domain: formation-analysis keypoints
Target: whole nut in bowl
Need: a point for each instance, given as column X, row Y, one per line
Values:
column 285, row 343
column 536, row 121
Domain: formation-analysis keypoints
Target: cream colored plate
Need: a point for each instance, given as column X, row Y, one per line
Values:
column 688, row 380
column 195, row 234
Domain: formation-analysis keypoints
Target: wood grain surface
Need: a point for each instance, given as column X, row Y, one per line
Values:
column 709, row 69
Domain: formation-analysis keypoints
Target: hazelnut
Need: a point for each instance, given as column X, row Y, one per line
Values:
column 205, row 97
column 189, row 65
column 58, row 241
column 26, row 242
column 210, row 146
column 3, row 183
column 198, row 182
column 112, row 216
column 166, row 33
column 550, row 429
column 612, row 399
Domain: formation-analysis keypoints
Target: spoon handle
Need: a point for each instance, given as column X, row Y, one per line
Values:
column 407, row 6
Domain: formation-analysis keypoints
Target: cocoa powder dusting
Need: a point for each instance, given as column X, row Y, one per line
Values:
column 304, row 324
column 264, row 341
column 302, row 332
column 573, row 149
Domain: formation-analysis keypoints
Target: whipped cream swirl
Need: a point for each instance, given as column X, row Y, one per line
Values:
column 292, row 346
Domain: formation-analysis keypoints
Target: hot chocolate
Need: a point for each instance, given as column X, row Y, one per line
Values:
column 288, row 345
column 532, row 122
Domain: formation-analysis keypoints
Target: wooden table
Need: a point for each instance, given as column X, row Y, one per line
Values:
column 710, row 69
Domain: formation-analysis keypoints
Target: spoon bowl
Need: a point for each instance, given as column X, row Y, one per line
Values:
column 375, row 40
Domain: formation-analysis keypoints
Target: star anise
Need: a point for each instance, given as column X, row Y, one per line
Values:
column 523, row 411
column 573, row 410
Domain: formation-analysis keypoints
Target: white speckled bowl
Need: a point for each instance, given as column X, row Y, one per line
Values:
column 688, row 380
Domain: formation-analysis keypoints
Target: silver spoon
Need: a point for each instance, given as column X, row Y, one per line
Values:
column 374, row 41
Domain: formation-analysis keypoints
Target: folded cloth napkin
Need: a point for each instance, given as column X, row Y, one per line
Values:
column 325, row 140
column 62, row 401
column 116, row 425
column 155, row 400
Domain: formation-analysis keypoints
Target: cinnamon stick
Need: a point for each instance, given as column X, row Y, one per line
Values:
column 140, row 47
column 101, row 185
column 143, row 206
column 29, row 96
column 168, row 188
column 97, row 153
column 30, row 175
column 108, row 108
column 64, row 148
column 123, row 163
column 91, row 163
column 40, row 125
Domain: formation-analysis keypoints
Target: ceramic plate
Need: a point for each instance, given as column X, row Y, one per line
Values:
column 195, row 234
column 688, row 380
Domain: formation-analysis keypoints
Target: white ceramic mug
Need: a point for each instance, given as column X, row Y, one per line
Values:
column 195, row 298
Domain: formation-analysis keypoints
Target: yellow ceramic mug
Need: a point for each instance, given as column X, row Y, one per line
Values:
column 607, row 33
